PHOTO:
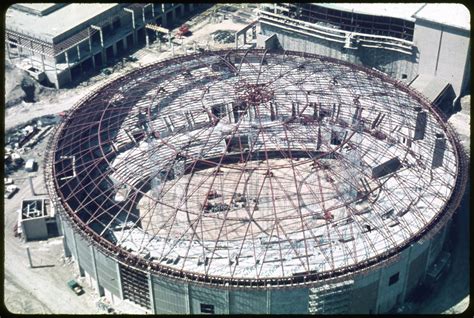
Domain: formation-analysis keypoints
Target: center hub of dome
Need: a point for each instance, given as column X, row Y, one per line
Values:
column 254, row 94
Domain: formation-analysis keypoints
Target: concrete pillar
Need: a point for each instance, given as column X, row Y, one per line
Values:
column 96, row 276
column 8, row 50
column 164, row 19
column 407, row 271
column 90, row 42
column 236, row 40
column 103, row 56
column 135, row 40
column 269, row 301
column 152, row 9
column 227, row 307
column 68, row 68
column 29, row 257
column 79, row 269
column 119, row 280
column 93, row 62
column 101, row 37
column 78, row 52
column 114, row 48
column 67, row 252
column 56, row 82
column 147, row 38
column 125, row 45
column 152, row 294
column 188, row 301
column 42, row 62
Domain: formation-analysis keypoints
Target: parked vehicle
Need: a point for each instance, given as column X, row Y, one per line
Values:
column 75, row 287
column 10, row 191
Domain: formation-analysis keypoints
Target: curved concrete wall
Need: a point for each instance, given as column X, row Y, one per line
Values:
column 375, row 291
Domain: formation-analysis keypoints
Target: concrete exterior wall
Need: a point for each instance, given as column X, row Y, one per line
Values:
column 398, row 65
column 35, row 229
column 370, row 292
column 444, row 52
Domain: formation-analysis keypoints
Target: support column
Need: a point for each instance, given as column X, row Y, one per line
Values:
column 42, row 62
column 152, row 295
column 56, row 83
column 67, row 252
column 29, row 257
column 125, row 45
column 78, row 52
column 114, row 49
column 173, row 12
column 103, row 53
column 188, row 301
column 8, row 50
column 119, row 280
column 99, row 290
column 68, row 68
column 407, row 270
column 269, row 301
column 227, row 308
column 164, row 19
column 135, row 40
column 81, row 273
column 90, row 49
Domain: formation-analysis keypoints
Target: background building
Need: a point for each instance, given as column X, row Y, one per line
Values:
column 61, row 42
column 251, row 181
column 427, row 44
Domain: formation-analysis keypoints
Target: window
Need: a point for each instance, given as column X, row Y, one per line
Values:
column 207, row 308
column 404, row 76
column 393, row 279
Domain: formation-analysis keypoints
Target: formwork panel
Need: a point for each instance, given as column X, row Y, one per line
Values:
column 248, row 302
column 364, row 299
column 107, row 273
column 201, row 296
column 288, row 301
column 169, row 296
column 84, row 255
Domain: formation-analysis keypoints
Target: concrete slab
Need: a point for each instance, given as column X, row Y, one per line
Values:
column 56, row 23
column 395, row 10
column 453, row 14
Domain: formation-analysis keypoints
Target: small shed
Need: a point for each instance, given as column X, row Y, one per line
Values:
column 30, row 165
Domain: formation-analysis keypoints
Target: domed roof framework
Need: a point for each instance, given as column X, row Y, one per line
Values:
column 255, row 168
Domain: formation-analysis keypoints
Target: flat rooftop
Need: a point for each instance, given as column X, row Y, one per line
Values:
column 453, row 14
column 49, row 26
column 38, row 8
column 396, row 10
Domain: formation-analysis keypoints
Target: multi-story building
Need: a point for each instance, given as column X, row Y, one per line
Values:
column 427, row 45
column 62, row 42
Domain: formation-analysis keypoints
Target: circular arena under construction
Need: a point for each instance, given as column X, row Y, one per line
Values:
column 255, row 182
